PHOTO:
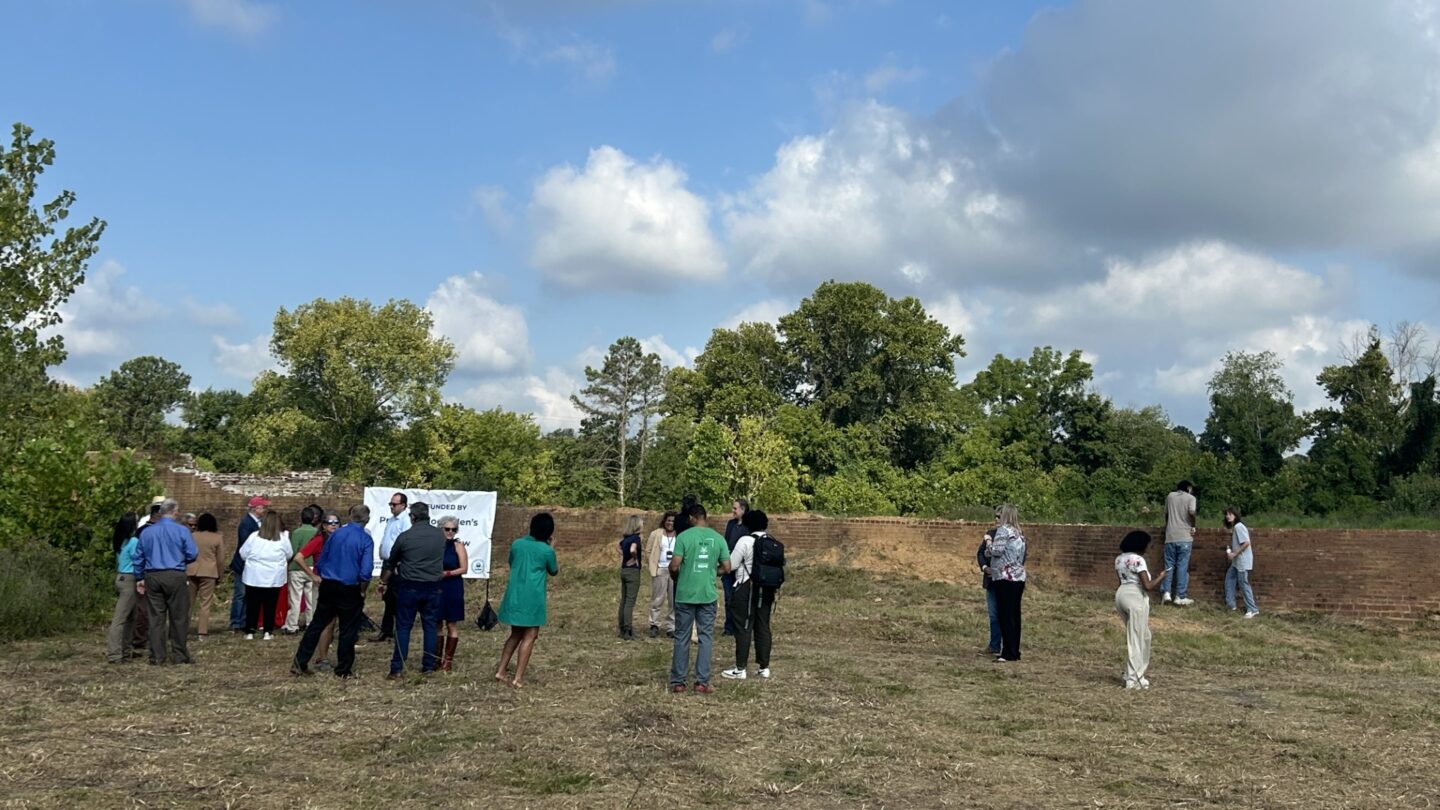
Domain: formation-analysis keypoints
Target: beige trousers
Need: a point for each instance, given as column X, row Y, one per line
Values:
column 300, row 584
column 1134, row 607
column 662, row 596
column 202, row 593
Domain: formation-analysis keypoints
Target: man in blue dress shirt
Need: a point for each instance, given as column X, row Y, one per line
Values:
column 163, row 551
column 346, row 562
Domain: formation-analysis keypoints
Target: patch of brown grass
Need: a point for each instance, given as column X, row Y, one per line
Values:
column 879, row 700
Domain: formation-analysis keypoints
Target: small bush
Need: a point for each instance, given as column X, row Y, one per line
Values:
column 43, row 592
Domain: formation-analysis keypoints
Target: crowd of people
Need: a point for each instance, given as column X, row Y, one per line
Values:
column 312, row 580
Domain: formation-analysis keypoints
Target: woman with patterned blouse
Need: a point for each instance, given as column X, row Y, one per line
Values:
column 1006, row 552
column 1134, row 606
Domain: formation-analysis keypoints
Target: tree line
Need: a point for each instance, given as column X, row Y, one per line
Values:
column 847, row 405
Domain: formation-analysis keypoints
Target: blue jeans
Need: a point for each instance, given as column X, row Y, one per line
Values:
column 237, row 605
column 412, row 598
column 687, row 616
column 1233, row 576
column 994, row 620
column 1177, row 562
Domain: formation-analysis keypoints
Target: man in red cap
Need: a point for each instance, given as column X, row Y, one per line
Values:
column 248, row 526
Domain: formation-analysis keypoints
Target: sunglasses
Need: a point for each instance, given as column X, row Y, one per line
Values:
column 332, row 523
column 449, row 531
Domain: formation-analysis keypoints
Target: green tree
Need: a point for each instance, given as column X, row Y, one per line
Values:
column 622, row 397
column 861, row 357
column 213, row 432
column 1356, row 441
column 352, row 374
column 665, row 467
column 38, row 272
column 742, row 372
column 1252, row 415
column 133, row 399
column 581, row 481
column 494, row 450
column 708, row 472
column 1046, row 405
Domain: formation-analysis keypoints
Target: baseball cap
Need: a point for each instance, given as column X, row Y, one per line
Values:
column 157, row 500
column 259, row 500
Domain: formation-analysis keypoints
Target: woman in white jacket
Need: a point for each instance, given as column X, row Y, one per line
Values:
column 266, row 554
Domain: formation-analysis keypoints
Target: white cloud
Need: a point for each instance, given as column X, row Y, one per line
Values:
column 244, row 360
column 489, row 337
column 878, row 197
column 728, row 39
column 213, row 315
column 619, row 223
column 494, row 205
column 766, row 311
column 546, row 397
column 594, row 62
column 100, row 319
column 655, row 344
column 1202, row 285
column 959, row 317
column 244, row 18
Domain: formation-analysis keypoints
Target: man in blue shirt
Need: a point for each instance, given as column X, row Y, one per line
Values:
column 164, row 549
column 346, row 562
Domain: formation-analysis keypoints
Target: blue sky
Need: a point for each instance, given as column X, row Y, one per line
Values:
column 1154, row 184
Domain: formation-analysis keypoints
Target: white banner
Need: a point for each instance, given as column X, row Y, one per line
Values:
column 474, row 510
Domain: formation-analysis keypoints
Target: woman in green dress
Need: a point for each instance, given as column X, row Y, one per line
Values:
column 532, row 562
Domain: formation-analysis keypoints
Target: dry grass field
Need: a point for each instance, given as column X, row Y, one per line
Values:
column 880, row 699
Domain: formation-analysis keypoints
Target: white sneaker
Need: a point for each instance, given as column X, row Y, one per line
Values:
column 1132, row 684
column 1165, row 598
column 734, row 674
column 1144, row 683
column 249, row 636
column 1250, row 614
column 764, row 673
column 267, row 637
column 1185, row 602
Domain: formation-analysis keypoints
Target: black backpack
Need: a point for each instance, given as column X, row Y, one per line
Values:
column 767, row 568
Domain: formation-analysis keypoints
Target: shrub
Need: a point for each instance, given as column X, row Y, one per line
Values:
column 43, row 591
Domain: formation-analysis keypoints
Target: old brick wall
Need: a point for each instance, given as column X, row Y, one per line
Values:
column 1344, row 572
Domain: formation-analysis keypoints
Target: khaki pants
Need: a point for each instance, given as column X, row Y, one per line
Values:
column 662, row 595
column 300, row 585
column 202, row 593
column 122, row 623
column 1134, row 607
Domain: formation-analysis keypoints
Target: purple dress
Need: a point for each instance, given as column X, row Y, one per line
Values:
column 452, row 589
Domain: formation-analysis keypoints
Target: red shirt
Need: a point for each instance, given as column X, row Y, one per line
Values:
column 311, row 550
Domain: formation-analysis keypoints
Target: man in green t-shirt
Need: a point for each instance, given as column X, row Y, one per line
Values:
column 299, row 581
column 700, row 556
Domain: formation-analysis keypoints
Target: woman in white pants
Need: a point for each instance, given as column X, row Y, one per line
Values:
column 1134, row 606
column 662, row 594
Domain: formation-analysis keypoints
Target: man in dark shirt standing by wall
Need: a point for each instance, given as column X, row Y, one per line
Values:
column 734, row 530
column 414, row 569
column 164, row 549
column 346, row 562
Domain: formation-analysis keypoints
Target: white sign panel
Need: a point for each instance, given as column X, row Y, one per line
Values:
column 474, row 510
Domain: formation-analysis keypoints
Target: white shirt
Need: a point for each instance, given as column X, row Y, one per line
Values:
column 1128, row 566
column 742, row 558
column 394, row 526
column 666, row 551
column 266, row 561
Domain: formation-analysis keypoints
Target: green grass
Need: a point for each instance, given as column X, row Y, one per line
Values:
column 880, row 699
